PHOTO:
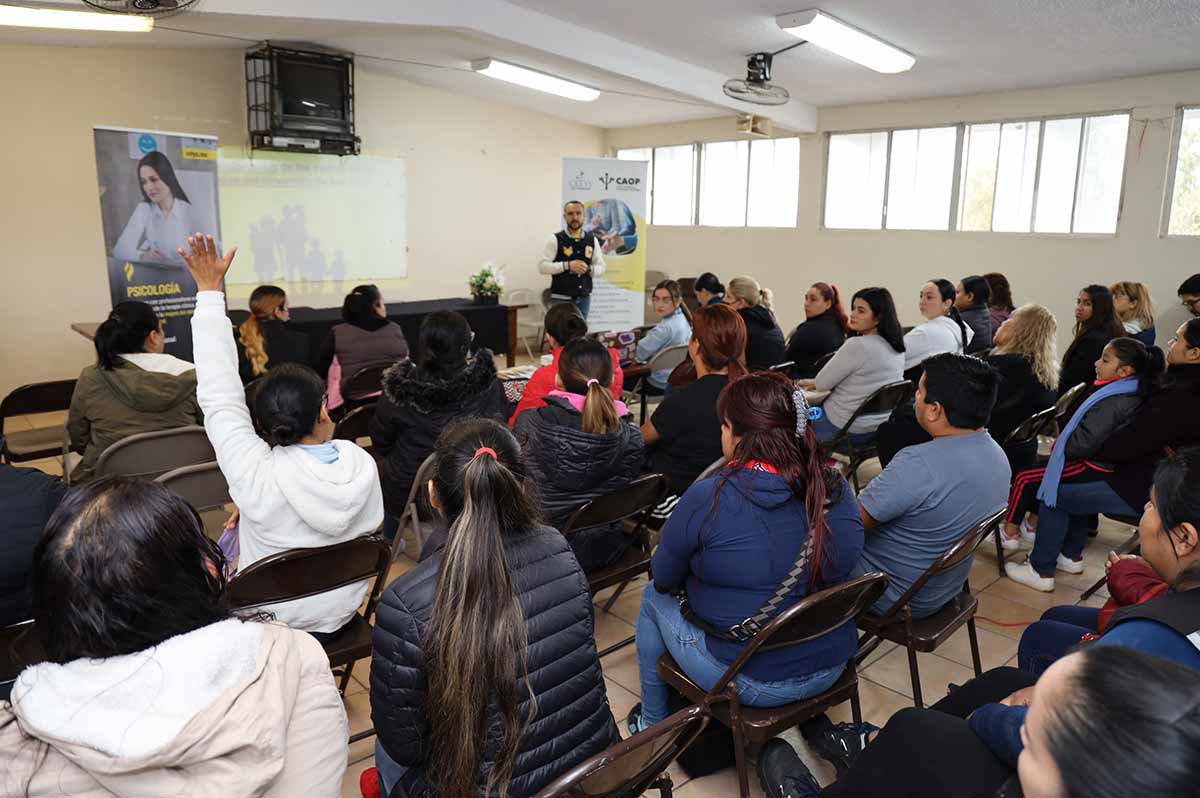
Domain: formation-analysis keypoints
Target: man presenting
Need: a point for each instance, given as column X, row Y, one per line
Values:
column 573, row 258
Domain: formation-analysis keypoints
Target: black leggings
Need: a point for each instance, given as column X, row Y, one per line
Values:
column 927, row 753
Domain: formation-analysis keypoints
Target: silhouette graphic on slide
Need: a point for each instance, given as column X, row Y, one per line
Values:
column 262, row 247
column 339, row 267
column 315, row 263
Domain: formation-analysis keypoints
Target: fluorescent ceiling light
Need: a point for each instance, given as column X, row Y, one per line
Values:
column 837, row 37
column 22, row 17
column 534, row 80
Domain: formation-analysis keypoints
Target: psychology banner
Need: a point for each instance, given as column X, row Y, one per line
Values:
column 156, row 189
column 614, row 197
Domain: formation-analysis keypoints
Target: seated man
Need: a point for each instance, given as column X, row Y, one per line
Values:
column 931, row 494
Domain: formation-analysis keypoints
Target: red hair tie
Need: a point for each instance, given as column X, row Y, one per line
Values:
column 486, row 450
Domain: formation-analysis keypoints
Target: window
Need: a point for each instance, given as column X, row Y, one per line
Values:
column 1044, row 176
column 674, row 181
column 724, row 172
column 643, row 154
column 774, row 183
column 1184, row 217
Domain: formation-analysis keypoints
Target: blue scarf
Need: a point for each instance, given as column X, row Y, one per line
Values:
column 1048, row 492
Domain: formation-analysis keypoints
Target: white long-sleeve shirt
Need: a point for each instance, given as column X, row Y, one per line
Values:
column 149, row 229
column 547, row 264
column 934, row 337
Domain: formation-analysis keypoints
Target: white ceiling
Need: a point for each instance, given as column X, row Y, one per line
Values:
column 659, row 61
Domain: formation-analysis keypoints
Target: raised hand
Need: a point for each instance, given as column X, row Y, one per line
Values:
column 207, row 266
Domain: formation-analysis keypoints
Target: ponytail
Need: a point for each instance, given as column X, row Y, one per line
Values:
column 765, row 298
column 962, row 326
column 1148, row 363
column 948, row 293
column 475, row 645
column 585, row 367
column 749, row 291
column 264, row 301
column 124, row 332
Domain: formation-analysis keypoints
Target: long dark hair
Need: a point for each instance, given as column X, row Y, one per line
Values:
column 475, row 643
column 443, row 343
column 1103, row 318
column 287, row 403
column 884, row 307
column 831, row 294
column 1177, row 496
column 1126, row 718
column 672, row 288
column 1148, row 363
column 359, row 305
column 586, row 368
column 947, row 291
column 1001, row 291
column 123, row 565
column 564, row 323
column 979, row 288
column 124, row 332
column 760, row 410
column 721, row 335
column 166, row 173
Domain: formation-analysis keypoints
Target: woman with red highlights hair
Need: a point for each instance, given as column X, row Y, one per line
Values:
column 733, row 540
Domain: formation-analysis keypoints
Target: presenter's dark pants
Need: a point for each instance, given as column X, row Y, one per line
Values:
column 584, row 303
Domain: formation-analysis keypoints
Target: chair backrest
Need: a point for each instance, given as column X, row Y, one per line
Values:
column 300, row 573
column 954, row 556
column 668, row 358
column 1031, row 427
column 716, row 466
column 885, row 399
column 783, row 368
column 811, row 617
column 37, row 397
column 151, row 454
column 365, row 382
column 202, row 486
column 20, row 647
column 629, row 768
column 822, row 360
column 355, row 424
column 415, row 491
column 637, row 497
column 1067, row 399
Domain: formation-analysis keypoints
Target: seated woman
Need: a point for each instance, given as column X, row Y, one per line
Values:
column 264, row 339
column 1126, row 374
column 864, row 364
column 709, row 289
column 684, row 434
column 730, row 546
column 674, row 330
column 1000, row 301
column 364, row 338
column 971, row 299
column 564, row 324
column 295, row 487
column 134, row 387
column 580, row 445
column 1135, row 310
column 943, row 330
column 764, row 339
column 420, row 398
column 150, row 686
column 1026, row 356
column 823, row 330
column 484, row 677
column 1095, row 325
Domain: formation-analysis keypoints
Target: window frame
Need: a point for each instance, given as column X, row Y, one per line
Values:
column 960, row 165
column 1176, row 142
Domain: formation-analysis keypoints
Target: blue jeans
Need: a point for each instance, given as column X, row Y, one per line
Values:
column 584, row 303
column 662, row 629
column 826, row 431
column 1064, row 529
column 389, row 772
column 1059, row 630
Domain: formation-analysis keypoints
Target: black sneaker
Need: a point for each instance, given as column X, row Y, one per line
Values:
column 839, row 744
column 782, row 774
column 633, row 721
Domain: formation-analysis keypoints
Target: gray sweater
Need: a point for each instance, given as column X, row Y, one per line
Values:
column 861, row 366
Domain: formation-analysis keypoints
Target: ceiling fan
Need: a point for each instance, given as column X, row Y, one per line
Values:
column 757, row 87
column 143, row 8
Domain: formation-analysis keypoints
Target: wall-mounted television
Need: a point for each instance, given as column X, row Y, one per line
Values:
column 301, row 101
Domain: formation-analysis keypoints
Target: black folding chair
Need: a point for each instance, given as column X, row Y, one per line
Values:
column 34, row 444
column 884, row 400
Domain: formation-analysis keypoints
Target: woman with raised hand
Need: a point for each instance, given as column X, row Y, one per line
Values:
column 264, row 339
column 580, row 445
column 150, row 686
column 295, row 487
column 823, row 330
column 484, row 676
column 765, row 346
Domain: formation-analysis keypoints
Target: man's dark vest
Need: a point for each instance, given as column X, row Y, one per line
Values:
column 1178, row 610
column 568, row 283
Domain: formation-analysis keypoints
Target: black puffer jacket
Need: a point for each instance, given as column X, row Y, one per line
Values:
column 764, row 339
column 571, row 467
column 416, row 407
column 573, row 721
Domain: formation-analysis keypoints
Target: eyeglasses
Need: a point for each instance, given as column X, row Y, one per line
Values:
column 1190, row 303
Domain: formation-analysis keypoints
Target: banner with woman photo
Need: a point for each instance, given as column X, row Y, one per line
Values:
column 156, row 189
column 614, row 196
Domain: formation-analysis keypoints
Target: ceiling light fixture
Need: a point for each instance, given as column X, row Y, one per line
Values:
column 830, row 33
column 534, row 80
column 21, row 17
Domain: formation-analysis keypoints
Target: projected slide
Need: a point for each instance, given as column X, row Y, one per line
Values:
column 313, row 218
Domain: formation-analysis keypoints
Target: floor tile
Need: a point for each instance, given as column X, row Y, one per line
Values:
column 610, row 629
column 358, row 711
column 994, row 649
column 629, row 604
column 878, row 703
column 1036, row 599
column 57, row 418
column 884, row 648
column 1096, row 600
column 936, row 673
column 18, row 423
column 983, row 569
column 51, row 465
column 622, row 667
column 1003, row 616
column 621, row 701
column 350, row 788
column 723, row 784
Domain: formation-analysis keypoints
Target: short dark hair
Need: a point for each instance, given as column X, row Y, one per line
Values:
column 964, row 386
column 708, row 282
column 287, row 403
column 569, row 203
column 1191, row 332
column 564, row 323
column 977, row 287
column 124, row 332
column 1177, row 494
column 1190, row 286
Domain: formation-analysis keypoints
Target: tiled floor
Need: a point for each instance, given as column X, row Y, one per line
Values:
column 1005, row 609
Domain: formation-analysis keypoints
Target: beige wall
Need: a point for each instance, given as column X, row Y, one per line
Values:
column 483, row 180
column 1049, row 269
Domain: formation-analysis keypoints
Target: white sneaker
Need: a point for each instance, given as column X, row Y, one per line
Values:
column 1028, row 531
column 1009, row 544
column 1069, row 566
column 1024, row 573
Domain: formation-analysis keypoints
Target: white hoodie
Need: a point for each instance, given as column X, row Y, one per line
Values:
column 934, row 337
column 231, row 709
column 288, row 499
